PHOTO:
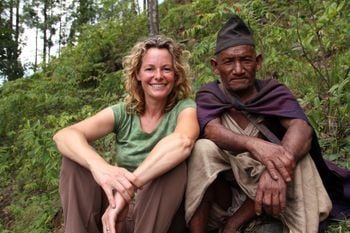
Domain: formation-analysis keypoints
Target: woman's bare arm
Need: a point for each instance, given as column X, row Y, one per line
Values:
column 171, row 150
column 73, row 143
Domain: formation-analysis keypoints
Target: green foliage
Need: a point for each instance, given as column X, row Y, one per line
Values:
column 35, row 213
column 10, row 67
column 339, row 227
column 305, row 45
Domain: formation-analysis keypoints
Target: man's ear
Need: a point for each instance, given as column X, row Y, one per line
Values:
column 214, row 64
column 259, row 60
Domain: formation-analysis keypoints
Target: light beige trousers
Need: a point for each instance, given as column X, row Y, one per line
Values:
column 307, row 200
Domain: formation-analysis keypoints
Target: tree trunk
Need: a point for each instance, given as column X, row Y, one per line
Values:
column 45, row 30
column 145, row 5
column 10, row 22
column 36, row 49
column 60, row 37
column 51, row 32
column 17, row 27
column 12, row 67
column 153, row 19
column 182, row 1
column 136, row 6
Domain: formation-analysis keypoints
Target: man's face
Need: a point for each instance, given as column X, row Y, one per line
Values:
column 237, row 67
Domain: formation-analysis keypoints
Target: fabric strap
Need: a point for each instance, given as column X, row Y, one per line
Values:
column 260, row 126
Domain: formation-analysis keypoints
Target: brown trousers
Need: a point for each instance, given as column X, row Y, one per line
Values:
column 158, row 207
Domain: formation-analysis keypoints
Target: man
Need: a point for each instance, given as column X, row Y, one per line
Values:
column 239, row 171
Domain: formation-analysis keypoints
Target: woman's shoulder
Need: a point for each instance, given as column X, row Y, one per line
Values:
column 118, row 106
column 119, row 110
column 184, row 103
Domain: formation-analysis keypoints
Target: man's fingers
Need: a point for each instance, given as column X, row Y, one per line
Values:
column 258, row 202
column 282, row 170
column 282, row 197
column 289, row 162
column 267, row 202
column 275, row 204
column 272, row 170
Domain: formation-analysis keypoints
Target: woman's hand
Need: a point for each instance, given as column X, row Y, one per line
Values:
column 111, row 215
column 114, row 179
column 73, row 142
column 109, row 219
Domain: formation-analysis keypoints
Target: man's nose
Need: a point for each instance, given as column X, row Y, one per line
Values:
column 238, row 68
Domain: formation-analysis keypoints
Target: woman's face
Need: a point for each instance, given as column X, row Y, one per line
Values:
column 157, row 74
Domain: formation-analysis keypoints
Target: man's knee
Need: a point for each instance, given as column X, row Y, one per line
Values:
column 204, row 147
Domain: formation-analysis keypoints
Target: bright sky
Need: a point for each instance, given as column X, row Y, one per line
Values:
column 28, row 49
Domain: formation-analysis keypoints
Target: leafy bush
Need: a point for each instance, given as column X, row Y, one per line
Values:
column 305, row 45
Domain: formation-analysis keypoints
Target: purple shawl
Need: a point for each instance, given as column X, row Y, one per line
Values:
column 275, row 100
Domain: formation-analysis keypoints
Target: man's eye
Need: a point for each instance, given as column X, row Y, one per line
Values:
column 247, row 60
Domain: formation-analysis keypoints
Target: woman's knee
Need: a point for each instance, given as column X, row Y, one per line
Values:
column 75, row 177
column 177, row 177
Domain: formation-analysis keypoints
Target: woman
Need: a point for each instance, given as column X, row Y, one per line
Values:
column 155, row 131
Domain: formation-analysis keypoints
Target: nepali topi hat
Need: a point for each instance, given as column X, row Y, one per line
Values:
column 235, row 32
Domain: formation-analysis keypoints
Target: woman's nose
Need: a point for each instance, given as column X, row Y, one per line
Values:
column 158, row 74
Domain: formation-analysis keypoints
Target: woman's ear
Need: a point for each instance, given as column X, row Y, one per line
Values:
column 138, row 77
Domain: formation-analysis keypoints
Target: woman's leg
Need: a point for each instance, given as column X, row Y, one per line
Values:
column 82, row 199
column 159, row 203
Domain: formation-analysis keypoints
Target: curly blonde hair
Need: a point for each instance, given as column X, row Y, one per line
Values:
column 135, row 99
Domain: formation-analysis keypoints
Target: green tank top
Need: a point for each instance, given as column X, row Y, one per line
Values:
column 133, row 144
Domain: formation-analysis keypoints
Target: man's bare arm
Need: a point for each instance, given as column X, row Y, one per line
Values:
column 298, row 137
column 271, row 194
column 294, row 145
column 225, row 138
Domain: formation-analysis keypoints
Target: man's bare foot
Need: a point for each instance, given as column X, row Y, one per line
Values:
column 244, row 214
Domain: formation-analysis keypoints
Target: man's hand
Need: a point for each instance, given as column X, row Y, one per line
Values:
column 275, row 157
column 115, row 179
column 270, row 195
